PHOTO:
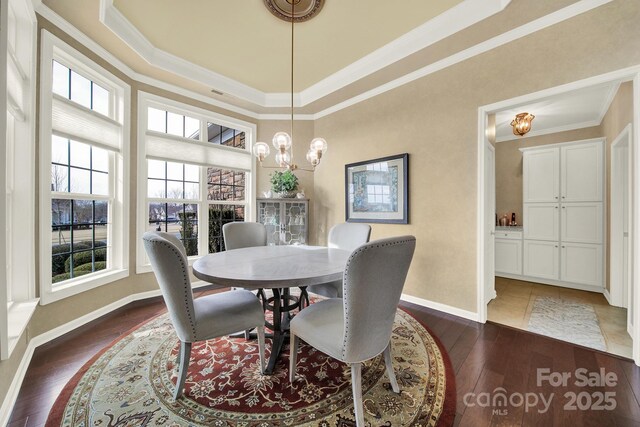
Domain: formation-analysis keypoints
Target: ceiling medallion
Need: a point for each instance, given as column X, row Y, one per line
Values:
column 303, row 10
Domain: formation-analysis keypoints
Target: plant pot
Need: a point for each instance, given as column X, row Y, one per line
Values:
column 284, row 195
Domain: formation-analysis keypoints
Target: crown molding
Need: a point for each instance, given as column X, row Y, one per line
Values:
column 607, row 103
column 556, row 17
column 283, row 99
column 449, row 22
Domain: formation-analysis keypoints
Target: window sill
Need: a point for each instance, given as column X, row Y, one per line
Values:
column 52, row 293
column 19, row 315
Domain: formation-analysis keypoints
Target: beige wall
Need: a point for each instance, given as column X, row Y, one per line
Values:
column 619, row 115
column 302, row 136
column 434, row 119
column 509, row 166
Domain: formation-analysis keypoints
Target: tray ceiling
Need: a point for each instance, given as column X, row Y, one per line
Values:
column 244, row 41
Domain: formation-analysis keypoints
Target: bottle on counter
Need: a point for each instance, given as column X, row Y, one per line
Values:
column 513, row 219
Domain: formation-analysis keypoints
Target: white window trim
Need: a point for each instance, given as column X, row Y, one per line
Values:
column 18, row 291
column 119, row 179
column 146, row 100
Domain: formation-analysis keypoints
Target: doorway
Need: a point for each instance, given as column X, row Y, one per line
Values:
column 486, row 228
column 621, row 291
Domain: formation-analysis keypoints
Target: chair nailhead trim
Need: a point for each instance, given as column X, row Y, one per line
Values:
column 351, row 257
column 185, row 284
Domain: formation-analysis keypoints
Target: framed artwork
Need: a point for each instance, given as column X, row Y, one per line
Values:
column 377, row 190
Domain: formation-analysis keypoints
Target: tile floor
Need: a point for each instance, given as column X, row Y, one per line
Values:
column 515, row 301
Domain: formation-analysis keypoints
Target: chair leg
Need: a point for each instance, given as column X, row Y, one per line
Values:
column 390, row 373
column 247, row 334
column 356, row 385
column 293, row 356
column 260, row 330
column 185, row 355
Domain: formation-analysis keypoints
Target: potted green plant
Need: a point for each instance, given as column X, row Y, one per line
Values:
column 284, row 184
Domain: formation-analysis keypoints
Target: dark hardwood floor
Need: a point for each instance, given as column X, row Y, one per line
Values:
column 485, row 358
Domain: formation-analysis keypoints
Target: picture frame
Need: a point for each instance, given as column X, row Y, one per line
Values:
column 377, row 190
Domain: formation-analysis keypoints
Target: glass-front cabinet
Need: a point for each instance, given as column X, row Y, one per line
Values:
column 286, row 220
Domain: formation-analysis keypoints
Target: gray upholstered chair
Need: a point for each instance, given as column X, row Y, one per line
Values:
column 347, row 236
column 204, row 318
column 358, row 326
column 244, row 235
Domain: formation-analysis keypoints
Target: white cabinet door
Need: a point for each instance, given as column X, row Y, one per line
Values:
column 541, row 221
column 508, row 256
column 581, row 222
column 541, row 259
column 581, row 263
column 541, row 175
column 582, row 172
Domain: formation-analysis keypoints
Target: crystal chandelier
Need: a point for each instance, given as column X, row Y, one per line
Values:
column 283, row 141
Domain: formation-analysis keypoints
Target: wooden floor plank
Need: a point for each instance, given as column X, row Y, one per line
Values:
column 484, row 357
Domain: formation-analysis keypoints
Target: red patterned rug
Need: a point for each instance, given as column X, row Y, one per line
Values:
column 131, row 382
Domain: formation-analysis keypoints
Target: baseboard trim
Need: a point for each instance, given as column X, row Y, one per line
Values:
column 441, row 307
column 607, row 295
column 35, row 342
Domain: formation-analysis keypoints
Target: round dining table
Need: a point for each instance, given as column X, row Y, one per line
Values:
column 278, row 268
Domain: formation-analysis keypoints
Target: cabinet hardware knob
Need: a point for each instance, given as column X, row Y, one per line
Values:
column 556, row 246
column 563, row 247
column 563, row 197
column 556, row 197
column 564, row 207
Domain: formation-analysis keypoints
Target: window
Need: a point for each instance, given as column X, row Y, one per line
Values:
column 17, row 166
column 84, row 118
column 196, row 171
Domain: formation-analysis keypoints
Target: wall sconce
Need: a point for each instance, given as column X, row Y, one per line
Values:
column 522, row 123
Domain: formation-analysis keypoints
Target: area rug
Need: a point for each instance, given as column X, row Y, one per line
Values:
column 565, row 320
column 131, row 383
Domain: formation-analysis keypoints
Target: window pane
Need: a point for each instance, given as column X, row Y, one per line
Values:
column 192, row 173
column 80, row 89
column 192, row 190
column 218, row 216
column 225, row 184
column 101, row 208
column 60, row 212
column 174, row 190
column 80, row 154
column 175, row 123
column 156, row 188
column 100, row 183
column 157, row 216
column 189, row 228
column 60, row 79
column 156, row 169
column 59, row 178
column 82, row 211
column 59, row 150
column 99, row 159
column 191, row 128
column 80, row 180
column 213, row 131
column 175, row 171
column 157, row 120
column 100, row 100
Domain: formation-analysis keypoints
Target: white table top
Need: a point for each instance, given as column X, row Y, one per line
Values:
column 272, row 266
